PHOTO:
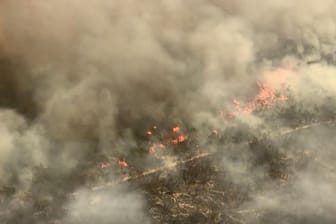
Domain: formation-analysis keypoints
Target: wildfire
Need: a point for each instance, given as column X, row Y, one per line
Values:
column 123, row 163
column 105, row 165
column 215, row 132
column 236, row 102
column 175, row 141
column 157, row 153
column 164, row 140
column 182, row 138
column 152, row 149
column 268, row 94
column 149, row 133
column 176, row 129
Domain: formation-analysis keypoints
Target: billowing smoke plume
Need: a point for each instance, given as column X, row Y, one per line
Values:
column 82, row 79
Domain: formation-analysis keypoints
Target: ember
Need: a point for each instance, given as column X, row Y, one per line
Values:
column 105, row 165
column 215, row 132
column 149, row 133
column 156, row 150
column 268, row 94
column 123, row 163
column 181, row 138
column 176, row 129
column 152, row 149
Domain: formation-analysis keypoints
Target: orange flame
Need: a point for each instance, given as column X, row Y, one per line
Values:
column 182, row 138
column 152, row 150
column 175, row 141
column 179, row 139
column 268, row 93
column 105, row 165
column 176, row 129
column 149, row 133
column 123, row 163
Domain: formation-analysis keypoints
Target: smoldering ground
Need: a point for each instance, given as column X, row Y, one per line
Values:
column 83, row 79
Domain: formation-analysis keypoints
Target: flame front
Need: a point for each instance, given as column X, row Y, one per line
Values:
column 268, row 93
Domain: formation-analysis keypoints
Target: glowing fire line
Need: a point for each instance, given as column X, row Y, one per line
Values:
column 266, row 97
column 199, row 156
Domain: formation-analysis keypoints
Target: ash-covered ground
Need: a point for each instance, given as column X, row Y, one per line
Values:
column 167, row 111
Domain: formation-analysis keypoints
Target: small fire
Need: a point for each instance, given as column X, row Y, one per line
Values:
column 149, row 133
column 154, row 149
column 123, row 163
column 105, row 165
column 267, row 96
column 176, row 129
column 236, row 103
column 230, row 115
column 175, row 141
column 151, row 149
column 179, row 139
column 282, row 98
column 182, row 138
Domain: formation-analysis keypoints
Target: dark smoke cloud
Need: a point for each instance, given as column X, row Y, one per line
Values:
column 84, row 77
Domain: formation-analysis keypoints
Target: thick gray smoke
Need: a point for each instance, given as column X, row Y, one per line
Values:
column 81, row 77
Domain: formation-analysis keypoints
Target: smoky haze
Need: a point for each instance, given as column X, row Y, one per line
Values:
column 81, row 78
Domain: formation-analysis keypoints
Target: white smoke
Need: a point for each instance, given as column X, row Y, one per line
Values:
column 85, row 77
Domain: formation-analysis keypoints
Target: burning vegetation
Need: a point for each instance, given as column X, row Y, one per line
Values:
column 167, row 112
